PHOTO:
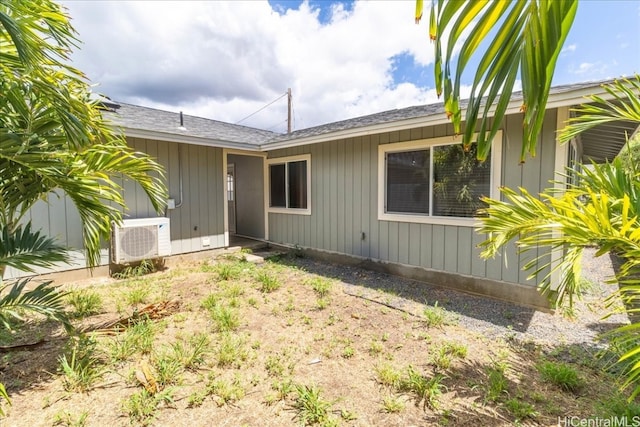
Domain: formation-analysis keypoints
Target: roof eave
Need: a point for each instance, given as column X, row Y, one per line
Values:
column 186, row 139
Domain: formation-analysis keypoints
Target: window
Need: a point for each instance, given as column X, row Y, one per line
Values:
column 289, row 184
column 408, row 181
column 435, row 181
column 230, row 187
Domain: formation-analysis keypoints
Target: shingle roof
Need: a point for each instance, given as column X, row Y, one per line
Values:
column 213, row 131
column 407, row 113
column 150, row 119
column 371, row 119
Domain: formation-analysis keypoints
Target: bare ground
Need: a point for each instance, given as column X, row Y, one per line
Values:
column 341, row 346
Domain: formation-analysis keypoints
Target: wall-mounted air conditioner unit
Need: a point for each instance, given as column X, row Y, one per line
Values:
column 138, row 239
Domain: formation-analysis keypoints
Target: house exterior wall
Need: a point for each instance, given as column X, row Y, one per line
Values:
column 199, row 217
column 344, row 214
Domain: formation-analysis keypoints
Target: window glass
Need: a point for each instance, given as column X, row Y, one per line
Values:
column 277, row 186
column 459, row 181
column 408, row 182
column 230, row 195
column 288, row 184
column 297, row 184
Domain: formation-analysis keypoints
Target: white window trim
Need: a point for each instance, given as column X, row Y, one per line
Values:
column 496, row 174
column 267, row 188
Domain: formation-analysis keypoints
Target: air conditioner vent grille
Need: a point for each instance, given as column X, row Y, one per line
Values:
column 140, row 242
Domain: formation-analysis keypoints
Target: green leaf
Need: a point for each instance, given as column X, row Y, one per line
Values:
column 44, row 299
column 25, row 249
column 527, row 39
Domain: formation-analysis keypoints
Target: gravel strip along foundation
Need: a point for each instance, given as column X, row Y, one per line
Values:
column 490, row 317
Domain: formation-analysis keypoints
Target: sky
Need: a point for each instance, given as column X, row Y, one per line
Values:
column 226, row 60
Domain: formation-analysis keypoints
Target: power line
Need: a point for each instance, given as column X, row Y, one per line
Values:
column 256, row 112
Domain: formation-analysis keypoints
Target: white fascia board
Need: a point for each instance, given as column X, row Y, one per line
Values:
column 187, row 139
column 566, row 98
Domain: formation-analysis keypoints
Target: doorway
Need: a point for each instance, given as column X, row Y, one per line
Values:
column 245, row 195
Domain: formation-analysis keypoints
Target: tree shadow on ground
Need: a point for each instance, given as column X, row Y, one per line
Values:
column 402, row 292
column 491, row 317
column 522, row 396
column 28, row 366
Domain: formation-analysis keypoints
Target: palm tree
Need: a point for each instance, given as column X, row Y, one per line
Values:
column 603, row 208
column 52, row 134
column 527, row 37
column 54, row 141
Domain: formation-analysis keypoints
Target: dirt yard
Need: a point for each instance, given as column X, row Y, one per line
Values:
column 227, row 342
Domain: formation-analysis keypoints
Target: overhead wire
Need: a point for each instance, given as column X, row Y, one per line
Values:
column 256, row 112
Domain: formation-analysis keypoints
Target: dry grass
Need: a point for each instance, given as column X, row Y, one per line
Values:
column 242, row 352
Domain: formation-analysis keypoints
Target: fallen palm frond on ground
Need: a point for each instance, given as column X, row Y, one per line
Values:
column 152, row 311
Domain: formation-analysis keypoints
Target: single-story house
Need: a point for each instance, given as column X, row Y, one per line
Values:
column 391, row 190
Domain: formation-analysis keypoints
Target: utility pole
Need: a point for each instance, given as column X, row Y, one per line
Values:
column 289, row 110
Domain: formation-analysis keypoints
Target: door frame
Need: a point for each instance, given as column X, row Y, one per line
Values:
column 225, row 155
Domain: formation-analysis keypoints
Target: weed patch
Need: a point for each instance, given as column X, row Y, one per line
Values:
column 427, row 390
column 310, row 407
column 138, row 338
column 231, row 351
column 224, row 319
column 80, row 366
column 85, row 302
column 392, row 404
column 497, row 382
column 436, row 316
column 560, row 374
column 268, row 282
column 520, row 409
column 142, row 407
column 225, row 391
column 143, row 268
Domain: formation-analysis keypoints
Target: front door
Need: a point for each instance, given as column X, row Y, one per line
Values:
column 231, row 196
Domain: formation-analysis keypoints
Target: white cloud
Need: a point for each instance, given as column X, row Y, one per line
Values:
column 225, row 60
column 569, row 49
column 591, row 69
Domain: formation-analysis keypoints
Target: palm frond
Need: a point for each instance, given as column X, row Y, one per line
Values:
column 624, row 105
column 527, row 37
column 25, row 249
column 44, row 299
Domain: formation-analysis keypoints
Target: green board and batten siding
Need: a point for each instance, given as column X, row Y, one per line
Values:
column 200, row 216
column 344, row 205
